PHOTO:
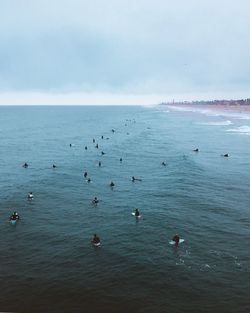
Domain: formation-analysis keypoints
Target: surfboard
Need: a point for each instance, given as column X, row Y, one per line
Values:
column 133, row 213
column 96, row 244
column 171, row 242
column 13, row 222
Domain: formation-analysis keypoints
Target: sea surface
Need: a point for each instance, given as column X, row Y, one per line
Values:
column 47, row 263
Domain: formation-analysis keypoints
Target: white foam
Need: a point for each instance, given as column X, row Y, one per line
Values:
column 242, row 115
column 241, row 129
column 221, row 123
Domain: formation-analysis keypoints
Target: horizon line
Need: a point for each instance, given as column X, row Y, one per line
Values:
column 83, row 98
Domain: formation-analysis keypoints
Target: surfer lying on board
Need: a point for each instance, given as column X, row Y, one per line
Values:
column 176, row 239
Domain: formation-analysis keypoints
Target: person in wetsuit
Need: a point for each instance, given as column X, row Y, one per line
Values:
column 30, row 196
column 95, row 200
column 137, row 213
column 14, row 216
column 95, row 239
column 176, row 239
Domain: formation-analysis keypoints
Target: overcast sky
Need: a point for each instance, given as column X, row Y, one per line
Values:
column 96, row 50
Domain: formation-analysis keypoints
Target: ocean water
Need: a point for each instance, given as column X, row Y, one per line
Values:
column 47, row 263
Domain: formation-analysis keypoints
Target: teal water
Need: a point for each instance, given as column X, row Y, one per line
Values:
column 47, row 263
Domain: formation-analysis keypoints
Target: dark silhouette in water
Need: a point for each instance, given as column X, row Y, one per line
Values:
column 226, row 155
column 95, row 200
column 54, row 166
column 97, row 146
column 134, row 179
column 102, row 137
column 113, row 130
column 120, row 159
column 112, row 184
column 137, row 213
column 99, row 163
column 14, row 216
column 30, row 196
column 25, row 165
column 70, row 145
column 85, row 174
column 102, row 153
column 88, row 180
column 93, row 140
column 196, row 150
column 95, row 240
column 163, row 163
column 86, row 148
column 176, row 239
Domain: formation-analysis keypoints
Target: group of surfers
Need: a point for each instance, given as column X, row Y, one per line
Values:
column 96, row 240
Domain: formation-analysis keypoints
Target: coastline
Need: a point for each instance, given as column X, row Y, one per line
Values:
column 227, row 107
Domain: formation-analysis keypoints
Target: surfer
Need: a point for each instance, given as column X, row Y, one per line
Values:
column 226, row 155
column 88, row 180
column 113, row 130
column 176, row 239
column 134, row 179
column 103, row 153
column 120, row 159
column 163, row 163
column 70, row 145
column 99, row 163
column 112, row 184
column 25, row 165
column 86, row 148
column 30, row 196
column 137, row 213
column 54, row 166
column 196, row 150
column 95, row 200
column 14, row 216
column 93, row 140
column 97, row 146
column 95, row 240
column 85, row 174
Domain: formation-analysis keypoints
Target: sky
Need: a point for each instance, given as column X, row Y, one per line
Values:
column 123, row 52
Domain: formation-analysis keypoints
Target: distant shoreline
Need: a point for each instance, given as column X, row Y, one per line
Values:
column 236, row 105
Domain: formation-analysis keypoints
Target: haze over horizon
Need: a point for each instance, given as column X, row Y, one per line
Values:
column 117, row 52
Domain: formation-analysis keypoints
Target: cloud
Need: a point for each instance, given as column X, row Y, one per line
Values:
column 132, row 47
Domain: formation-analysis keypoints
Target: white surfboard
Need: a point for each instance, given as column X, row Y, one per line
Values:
column 171, row 242
column 96, row 244
column 133, row 213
